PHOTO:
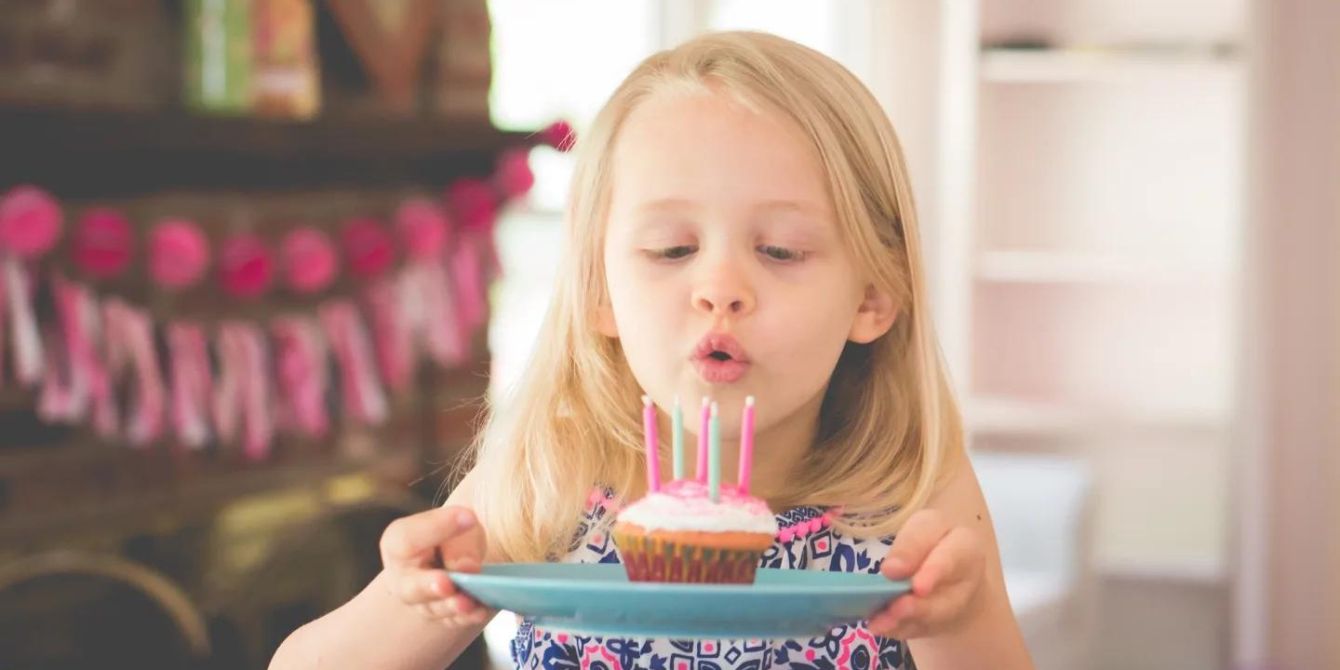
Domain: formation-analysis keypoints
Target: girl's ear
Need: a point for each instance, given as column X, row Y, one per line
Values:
column 605, row 322
column 874, row 317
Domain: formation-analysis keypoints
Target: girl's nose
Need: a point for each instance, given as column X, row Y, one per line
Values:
column 724, row 293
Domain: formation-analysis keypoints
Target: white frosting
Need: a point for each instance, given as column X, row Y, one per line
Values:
column 684, row 505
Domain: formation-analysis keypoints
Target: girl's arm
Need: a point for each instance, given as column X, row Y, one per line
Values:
column 987, row 634
column 374, row 630
column 377, row 629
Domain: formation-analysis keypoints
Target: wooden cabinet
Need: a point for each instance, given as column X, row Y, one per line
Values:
column 204, row 559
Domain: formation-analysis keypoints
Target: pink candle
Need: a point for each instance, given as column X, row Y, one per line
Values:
column 653, row 458
column 702, row 440
column 746, row 445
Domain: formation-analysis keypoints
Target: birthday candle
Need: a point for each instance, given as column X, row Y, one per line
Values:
column 714, row 458
column 746, row 445
column 653, row 459
column 677, row 428
column 702, row 441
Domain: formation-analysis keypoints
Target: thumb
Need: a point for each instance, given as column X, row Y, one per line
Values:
column 413, row 540
column 466, row 549
column 914, row 541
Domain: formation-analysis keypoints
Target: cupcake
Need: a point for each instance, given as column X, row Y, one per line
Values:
column 678, row 534
column 695, row 530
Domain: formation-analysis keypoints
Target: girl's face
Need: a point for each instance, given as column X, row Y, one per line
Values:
column 726, row 271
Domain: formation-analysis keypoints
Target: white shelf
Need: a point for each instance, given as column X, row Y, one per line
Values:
column 1000, row 416
column 997, row 416
column 1046, row 267
column 1061, row 66
column 1100, row 262
column 1209, row 570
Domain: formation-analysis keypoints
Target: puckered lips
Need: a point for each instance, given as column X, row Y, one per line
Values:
column 720, row 359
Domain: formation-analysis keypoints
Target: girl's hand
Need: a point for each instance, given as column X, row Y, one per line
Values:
column 416, row 549
column 946, row 565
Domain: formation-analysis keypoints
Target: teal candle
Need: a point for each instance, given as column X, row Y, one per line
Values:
column 677, row 436
column 714, row 456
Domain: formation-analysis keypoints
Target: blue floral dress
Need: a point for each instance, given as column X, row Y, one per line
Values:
column 805, row 542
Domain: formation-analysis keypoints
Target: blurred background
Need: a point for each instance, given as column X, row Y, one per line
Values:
column 1129, row 212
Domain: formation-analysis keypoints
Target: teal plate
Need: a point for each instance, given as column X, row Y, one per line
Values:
column 599, row 600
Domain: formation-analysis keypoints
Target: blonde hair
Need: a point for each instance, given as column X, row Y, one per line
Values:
column 888, row 423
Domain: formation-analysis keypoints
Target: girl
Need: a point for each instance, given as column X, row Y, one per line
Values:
column 740, row 223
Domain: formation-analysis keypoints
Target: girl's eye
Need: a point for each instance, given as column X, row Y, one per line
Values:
column 672, row 253
column 781, row 254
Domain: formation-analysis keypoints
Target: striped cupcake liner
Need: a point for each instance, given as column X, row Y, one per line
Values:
column 652, row 559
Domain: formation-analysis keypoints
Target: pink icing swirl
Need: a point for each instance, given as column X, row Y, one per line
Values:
column 685, row 505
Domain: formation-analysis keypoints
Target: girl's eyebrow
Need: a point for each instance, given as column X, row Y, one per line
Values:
column 680, row 204
column 667, row 205
column 798, row 206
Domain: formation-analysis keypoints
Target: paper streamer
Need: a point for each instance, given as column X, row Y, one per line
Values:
column 300, row 358
column 192, row 384
column 364, row 399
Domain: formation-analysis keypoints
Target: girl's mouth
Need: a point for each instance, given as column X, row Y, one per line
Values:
column 720, row 359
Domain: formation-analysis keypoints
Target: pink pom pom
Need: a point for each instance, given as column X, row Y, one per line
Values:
column 368, row 248
column 245, row 266
column 103, row 243
column 309, row 260
column 513, row 176
column 474, row 203
column 178, row 253
column 559, row 135
column 785, row 535
column 423, row 228
column 30, row 221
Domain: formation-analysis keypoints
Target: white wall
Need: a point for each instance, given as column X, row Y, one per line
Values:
column 1287, row 583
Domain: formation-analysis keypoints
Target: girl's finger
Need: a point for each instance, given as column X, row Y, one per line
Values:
column 457, row 606
column 462, row 604
column 909, row 630
column 460, row 611
column 476, row 618
column 880, row 624
column 465, row 552
column 462, row 564
column 883, row 621
column 901, row 608
column 936, row 612
column 421, row 586
column 413, row 540
column 442, row 608
column 913, row 543
column 902, row 619
column 953, row 559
